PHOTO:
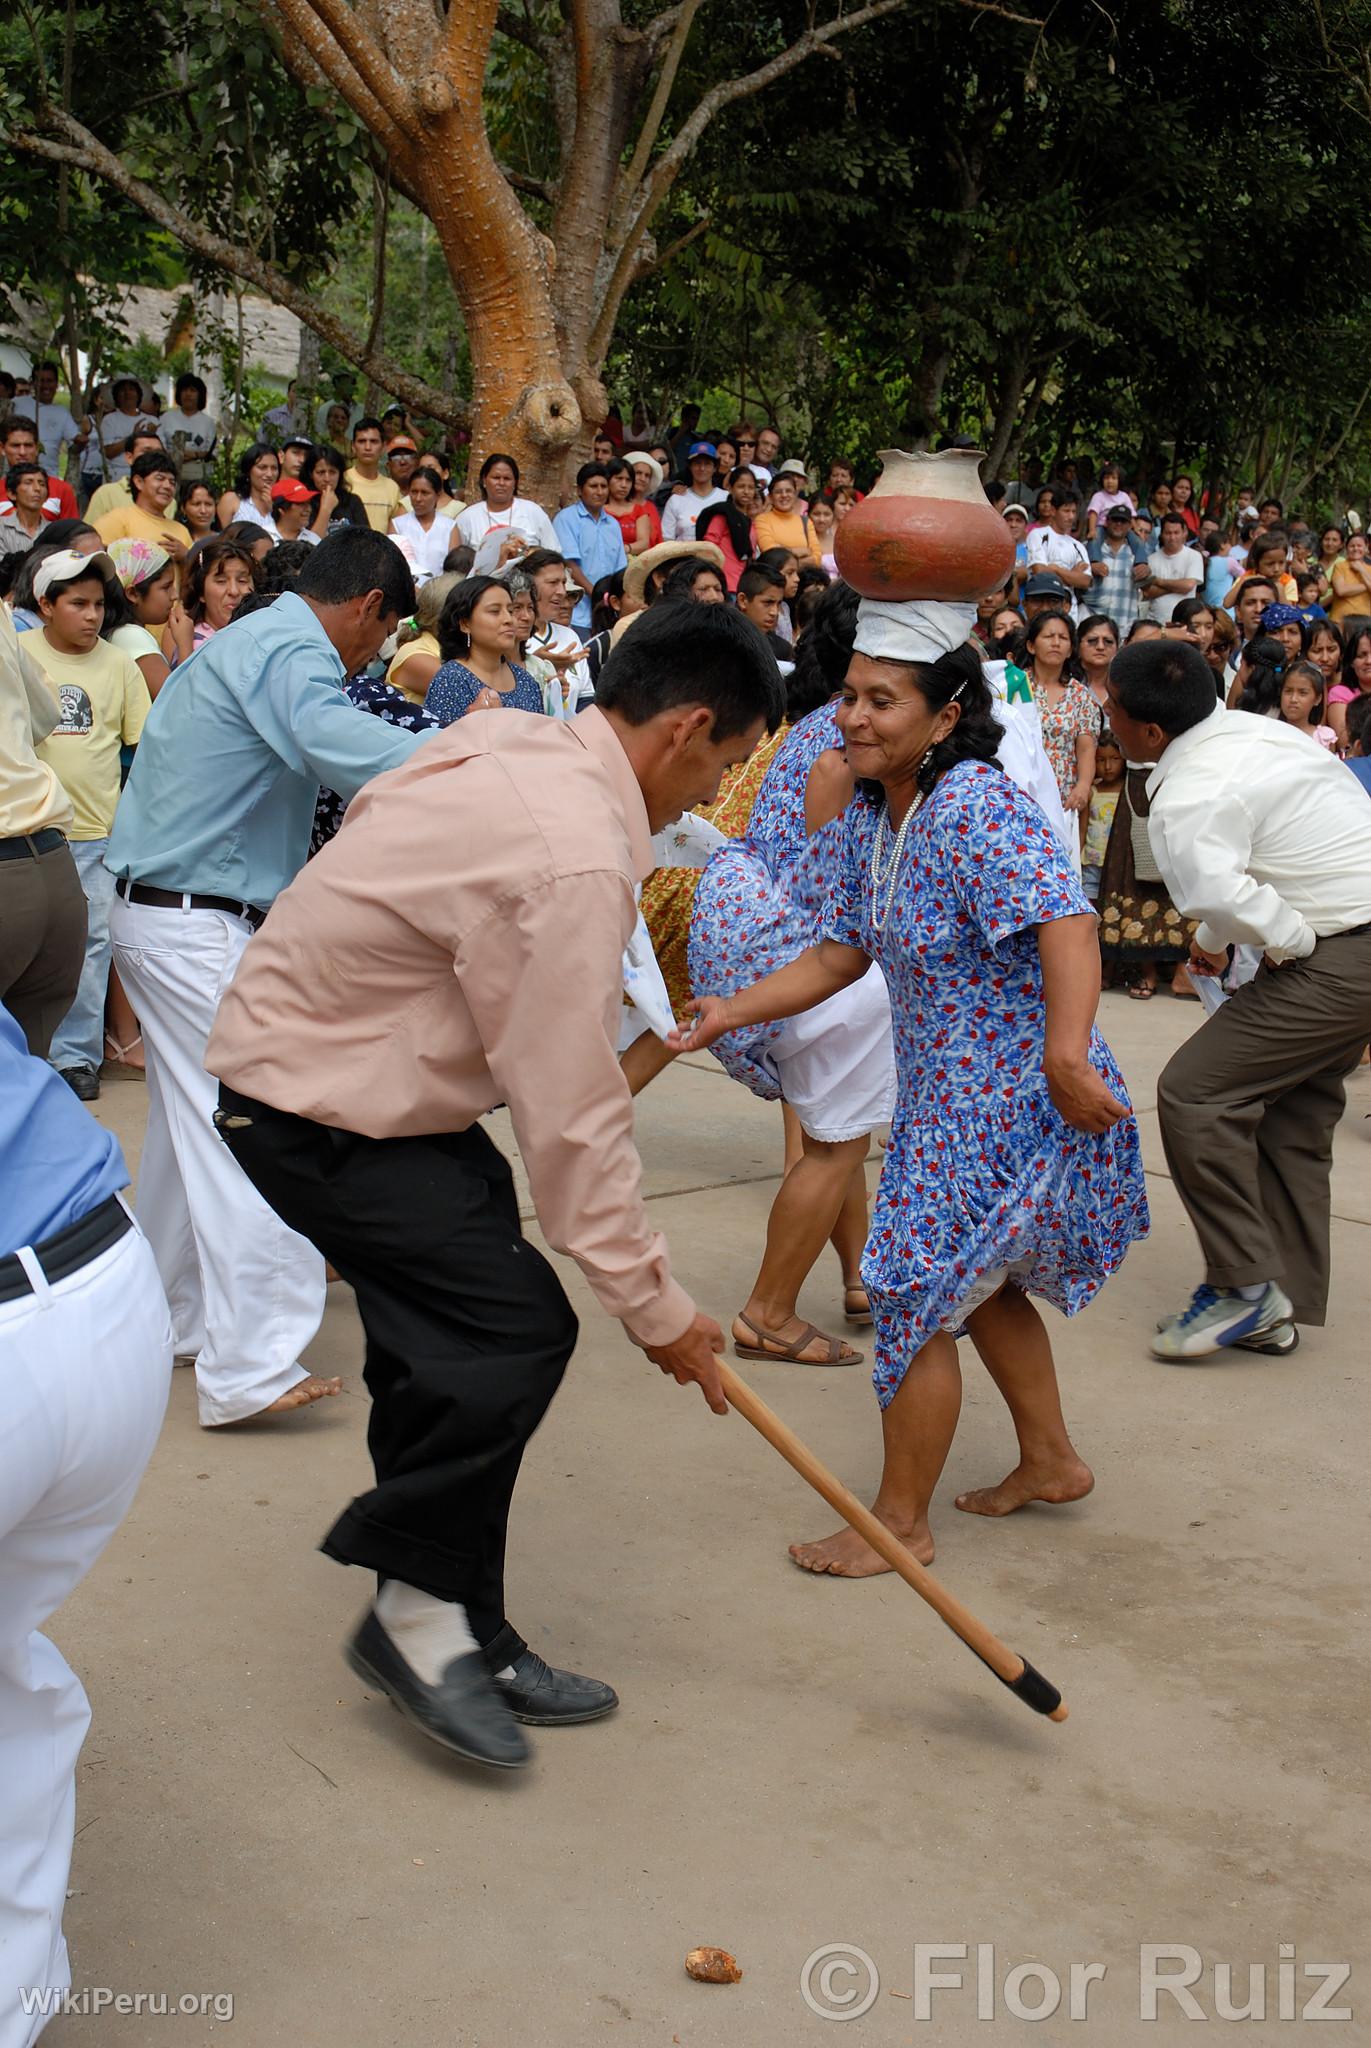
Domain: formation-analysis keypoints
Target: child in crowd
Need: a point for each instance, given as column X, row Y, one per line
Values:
column 103, row 701
column 1302, row 703
column 1097, row 819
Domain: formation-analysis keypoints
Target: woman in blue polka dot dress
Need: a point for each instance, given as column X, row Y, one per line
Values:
column 1013, row 1167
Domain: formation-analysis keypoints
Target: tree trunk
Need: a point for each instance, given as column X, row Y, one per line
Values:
column 306, row 382
column 1011, row 397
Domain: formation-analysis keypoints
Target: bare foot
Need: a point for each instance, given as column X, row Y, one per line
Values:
column 1068, row 1479
column 301, row 1395
column 785, row 1343
column 849, row 1556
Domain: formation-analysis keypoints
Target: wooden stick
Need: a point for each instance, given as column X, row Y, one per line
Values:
column 1015, row 1671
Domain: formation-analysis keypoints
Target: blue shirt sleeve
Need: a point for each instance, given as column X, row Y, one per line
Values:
column 295, row 705
column 567, row 527
column 1007, row 868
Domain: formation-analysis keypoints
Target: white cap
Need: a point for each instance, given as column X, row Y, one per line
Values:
column 64, row 565
column 921, row 629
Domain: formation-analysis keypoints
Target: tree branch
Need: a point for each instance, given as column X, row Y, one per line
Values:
column 301, row 26
column 656, row 113
column 366, row 57
column 518, row 28
column 521, row 182
column 672, row 249
column 85, row 152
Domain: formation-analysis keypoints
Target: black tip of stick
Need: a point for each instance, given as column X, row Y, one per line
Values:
column 1034, row 1690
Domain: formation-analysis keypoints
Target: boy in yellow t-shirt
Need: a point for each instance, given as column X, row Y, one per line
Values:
column 380, row 495
column 103, row 702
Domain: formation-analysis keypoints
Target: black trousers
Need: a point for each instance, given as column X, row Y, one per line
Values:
column 468, row 1333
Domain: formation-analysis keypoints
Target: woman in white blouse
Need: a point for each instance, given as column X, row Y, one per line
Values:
column 500, row 505
column 423, row 534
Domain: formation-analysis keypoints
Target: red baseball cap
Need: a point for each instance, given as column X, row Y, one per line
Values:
column 293, row 491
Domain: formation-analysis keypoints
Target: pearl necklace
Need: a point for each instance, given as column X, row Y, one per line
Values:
column 887, row 853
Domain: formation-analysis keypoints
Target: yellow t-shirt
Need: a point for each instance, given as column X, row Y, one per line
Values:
column 131, row 522
column 379, row 495
column 103, row 702
column 785, row 530
column 31, row 797
column 422, row 643
column 109, row 498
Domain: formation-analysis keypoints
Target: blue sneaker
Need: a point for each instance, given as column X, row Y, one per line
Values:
column 1219, row 1317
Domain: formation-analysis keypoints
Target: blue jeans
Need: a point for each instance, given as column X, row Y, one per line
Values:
column 79, row 1040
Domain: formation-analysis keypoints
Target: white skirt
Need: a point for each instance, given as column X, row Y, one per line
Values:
column 836, row 1062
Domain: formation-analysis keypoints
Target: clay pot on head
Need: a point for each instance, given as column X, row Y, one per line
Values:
column 926, row 529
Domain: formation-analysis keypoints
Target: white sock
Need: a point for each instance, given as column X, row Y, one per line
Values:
column 428, row 1633
column 1253, row 1293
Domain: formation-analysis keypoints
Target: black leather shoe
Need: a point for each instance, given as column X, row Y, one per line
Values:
column 83, row 1082
column 466, row 1712
column 538, row 1693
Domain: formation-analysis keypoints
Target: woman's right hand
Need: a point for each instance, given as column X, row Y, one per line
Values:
column 181, row 627
column 712, row 1020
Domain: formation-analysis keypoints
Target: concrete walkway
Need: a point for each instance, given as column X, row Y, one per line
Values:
column 797, row 1762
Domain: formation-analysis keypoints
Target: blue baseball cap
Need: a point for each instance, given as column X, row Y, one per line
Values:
column 701, row 448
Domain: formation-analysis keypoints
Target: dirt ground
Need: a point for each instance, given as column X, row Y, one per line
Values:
column 798, row 1764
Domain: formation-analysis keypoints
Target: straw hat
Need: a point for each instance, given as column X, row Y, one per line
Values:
column 641, row 566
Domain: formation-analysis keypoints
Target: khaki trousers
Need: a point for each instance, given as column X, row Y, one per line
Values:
column 1248, row 1108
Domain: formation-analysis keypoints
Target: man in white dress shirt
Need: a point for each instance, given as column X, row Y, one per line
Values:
column 1265, row 839
column 1055, row 547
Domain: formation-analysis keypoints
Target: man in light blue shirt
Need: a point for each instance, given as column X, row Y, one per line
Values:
column 87, row 1364
column 213, row 824
column 591, row 541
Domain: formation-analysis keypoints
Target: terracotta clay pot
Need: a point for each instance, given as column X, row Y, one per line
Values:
column 926, row 529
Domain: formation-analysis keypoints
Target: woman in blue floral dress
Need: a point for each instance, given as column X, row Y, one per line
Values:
column 1013, row 1167
column 476, row 636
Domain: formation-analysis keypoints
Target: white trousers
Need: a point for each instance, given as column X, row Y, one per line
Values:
column 84, row 1371
column 246, row 1294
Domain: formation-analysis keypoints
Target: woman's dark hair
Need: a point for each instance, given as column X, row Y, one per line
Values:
column 459, row 604
column 739, row 527
column 617, row 467
column 1327, row 626
column 685, row 654
column 242, row 476
column 206, row 555
column 132, row 384
column 823, row 653
column 683, row 576
column 349, row 507
column 425, row 468
column 1355, row 630
column 541, row 558
column 353, row 560
column 1190, row 608
column 1331, row 526
column 1093, row 622
column 1036, row 625
column 187, row 381
column 603, row 616
column 806, row 604
column 813, row 576
column 1312, row 673
column 249, row 533
column 1264, row 663
column 281, row 569
column 1164, row 682
column 489, row 464
column 776, row 558
column 192, row 484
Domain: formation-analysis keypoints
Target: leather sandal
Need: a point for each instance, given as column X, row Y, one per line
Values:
column 859, row 1318
column 786, row 1351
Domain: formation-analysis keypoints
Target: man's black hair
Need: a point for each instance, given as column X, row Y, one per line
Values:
column 189, row 381
column 152, row 462
column 281, row 569
column 541, row 558
column 684, row 654
column 590, row 470
column 14, row 422
column 1171, row 519
column 368, row 421
column 757, row 577
column 1061, row 497
column 1163, row 682
column 352, row 560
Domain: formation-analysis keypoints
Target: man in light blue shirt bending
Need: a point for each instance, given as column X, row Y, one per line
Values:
column 213, row 824
column 592, row 542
